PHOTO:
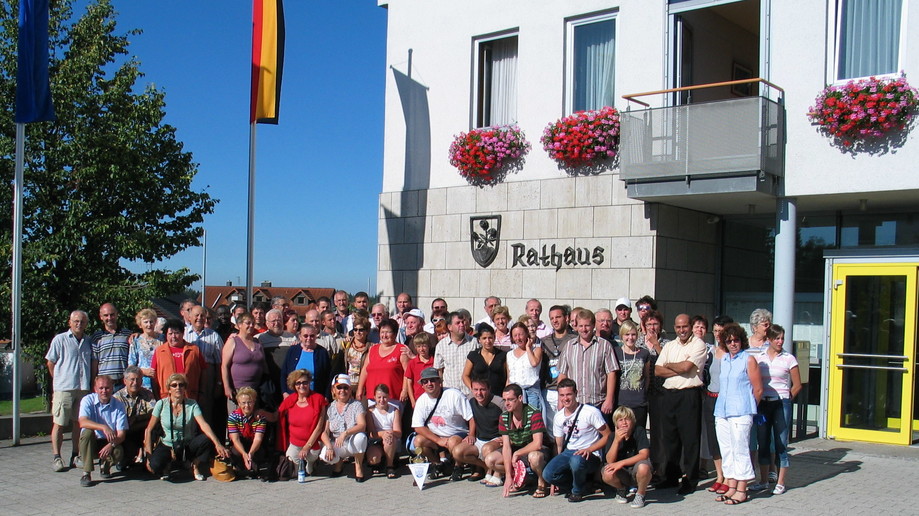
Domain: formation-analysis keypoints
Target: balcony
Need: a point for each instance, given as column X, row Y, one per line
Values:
column 721, row 157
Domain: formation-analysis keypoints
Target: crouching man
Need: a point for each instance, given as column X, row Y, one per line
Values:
column 523, row 438
column 627, row 460
column 580, row 434
column 441, row 420
column 104, row 424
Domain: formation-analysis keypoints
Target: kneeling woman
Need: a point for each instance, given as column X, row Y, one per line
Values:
column 345, row 428
column 178, row 416
column 247, row 431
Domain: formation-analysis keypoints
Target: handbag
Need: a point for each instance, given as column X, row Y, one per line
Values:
column 285, row 469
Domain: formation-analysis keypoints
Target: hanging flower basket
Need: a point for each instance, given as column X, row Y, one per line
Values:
column 485, row 156
column 584, row 139
column 863, row 110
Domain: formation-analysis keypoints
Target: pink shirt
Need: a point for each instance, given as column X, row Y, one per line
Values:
column 776, row 373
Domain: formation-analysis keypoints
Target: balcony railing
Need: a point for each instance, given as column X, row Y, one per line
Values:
column 733, row 137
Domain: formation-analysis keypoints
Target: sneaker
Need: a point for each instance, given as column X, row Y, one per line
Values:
column 773, row 477
column 165, row 477
column 759, row 486
column 779, row 489
column 76, row 462
column 638, row 502
column 86, row 480
column 621, row 496
column 57, row 465
column 105, row 469
column 199, row 477
column 116, row 468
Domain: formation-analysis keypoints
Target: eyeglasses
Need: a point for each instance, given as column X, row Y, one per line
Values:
column 178, row 385
column 643, row 308
column 342, row 387
column 360, row 328
column 376, row 315
column 732, row 340
column 427, row 381
column 301, row 383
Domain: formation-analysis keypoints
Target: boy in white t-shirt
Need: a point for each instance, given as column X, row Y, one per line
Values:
column 580, row 433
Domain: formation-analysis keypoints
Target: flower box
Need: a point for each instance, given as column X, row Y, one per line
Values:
column 584, row 139
column 485, row 156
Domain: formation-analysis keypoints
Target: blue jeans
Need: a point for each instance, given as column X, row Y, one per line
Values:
column 775, row 429
column 533, row 397
column 569, row 470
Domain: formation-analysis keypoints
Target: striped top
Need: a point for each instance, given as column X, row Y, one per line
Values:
column 532, row 424
column 110, row 350
column 588, row 366
column 245, row 426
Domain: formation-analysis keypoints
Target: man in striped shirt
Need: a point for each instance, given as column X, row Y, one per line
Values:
column 591, row 363
column 110, row 346
column 523, row 437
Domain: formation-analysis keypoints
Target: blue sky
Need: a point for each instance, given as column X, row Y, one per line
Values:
column 318, row 171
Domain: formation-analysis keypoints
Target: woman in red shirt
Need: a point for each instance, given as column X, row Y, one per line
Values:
column 302, row 420
column 386, row 364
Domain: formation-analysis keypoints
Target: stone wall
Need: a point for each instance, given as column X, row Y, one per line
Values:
column 424, row 248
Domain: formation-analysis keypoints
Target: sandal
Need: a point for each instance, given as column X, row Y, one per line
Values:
column 476, row 476
column 495, row 482
column 723, row 489
column 734, row 501
column 541, row 492
column 724, row 497
column 715, row 488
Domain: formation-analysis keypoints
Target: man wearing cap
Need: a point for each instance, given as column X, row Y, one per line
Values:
column 441, row 419
column 451, row 352
column 623, row 313
column 103, row 422
column 413, row 324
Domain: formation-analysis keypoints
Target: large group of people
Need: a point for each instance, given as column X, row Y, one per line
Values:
column 582, row 401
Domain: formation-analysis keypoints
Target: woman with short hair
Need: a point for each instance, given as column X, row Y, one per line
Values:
column 301, row 420
column 523, row 363
column 243, row 363
column 740, row 392
column 180, row 421
column 144, row 344
column 501, row 316
column 246, row 430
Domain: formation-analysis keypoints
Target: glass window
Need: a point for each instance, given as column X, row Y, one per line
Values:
column 869, row 38
column 593, row 64
column 880, row 230
column 496, row 83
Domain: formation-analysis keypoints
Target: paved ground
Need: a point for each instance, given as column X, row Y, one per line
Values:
column 826, row 477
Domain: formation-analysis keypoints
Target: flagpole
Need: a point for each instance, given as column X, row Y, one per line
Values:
column 17, row 278
column 250, row 233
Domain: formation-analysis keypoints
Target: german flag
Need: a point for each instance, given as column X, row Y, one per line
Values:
column 267, row 60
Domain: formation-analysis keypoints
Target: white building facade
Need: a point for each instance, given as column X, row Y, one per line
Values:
column 723, row 200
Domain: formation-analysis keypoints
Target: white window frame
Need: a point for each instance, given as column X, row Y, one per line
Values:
column 837, row 35
column 478, row 112
column 570, row 26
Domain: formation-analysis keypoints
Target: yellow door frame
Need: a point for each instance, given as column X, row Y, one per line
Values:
column 840, row 273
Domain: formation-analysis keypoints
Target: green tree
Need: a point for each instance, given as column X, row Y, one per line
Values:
column 106, row 184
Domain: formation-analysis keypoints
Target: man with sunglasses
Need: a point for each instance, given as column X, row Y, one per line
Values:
column 378, row 314
column 680, row 363
column 439, row 312
column 441, row 420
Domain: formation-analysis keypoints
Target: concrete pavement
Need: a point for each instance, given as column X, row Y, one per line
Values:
column 826, row 477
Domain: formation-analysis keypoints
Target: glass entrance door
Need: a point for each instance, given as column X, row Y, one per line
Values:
column 872, row 352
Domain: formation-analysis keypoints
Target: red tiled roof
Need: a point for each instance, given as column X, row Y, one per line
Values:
column 220, row 295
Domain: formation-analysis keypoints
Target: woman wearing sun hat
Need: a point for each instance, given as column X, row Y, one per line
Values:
column 345, row 429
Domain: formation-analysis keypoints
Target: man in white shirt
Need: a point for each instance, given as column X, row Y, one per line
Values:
column 490, row 303
column 534, row 310
column 440, row 420
column 581, row 434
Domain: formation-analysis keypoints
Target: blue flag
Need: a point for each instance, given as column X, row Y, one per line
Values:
column 33, row 89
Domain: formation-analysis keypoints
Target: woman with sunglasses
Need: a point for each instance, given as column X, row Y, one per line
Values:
column 385, row 363
column 356, row 348
column 180, row 420
column 301, row 420
column 739, row 393
column 345, row 430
